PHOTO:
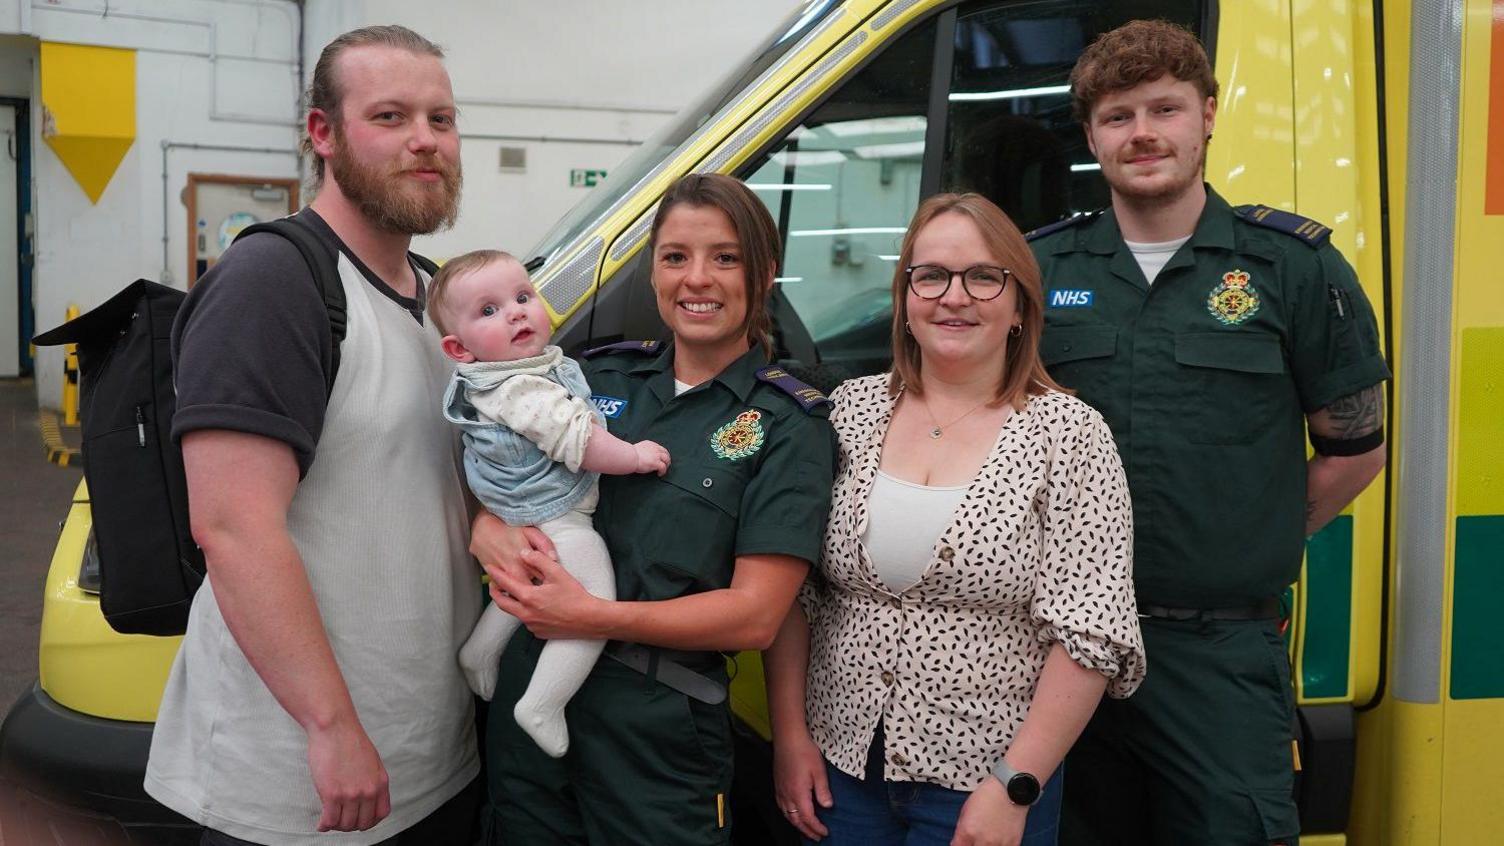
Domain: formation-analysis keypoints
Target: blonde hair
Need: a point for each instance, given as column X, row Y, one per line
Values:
column 1023, row 370
column 460, row 265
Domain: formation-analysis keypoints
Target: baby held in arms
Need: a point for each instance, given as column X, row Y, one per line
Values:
column 535, row 447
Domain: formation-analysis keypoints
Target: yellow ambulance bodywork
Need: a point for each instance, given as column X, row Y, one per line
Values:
column 1312, row 118
column 1431, row 769
column 84, row 664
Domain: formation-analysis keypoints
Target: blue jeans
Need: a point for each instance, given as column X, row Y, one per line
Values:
column 873, row 812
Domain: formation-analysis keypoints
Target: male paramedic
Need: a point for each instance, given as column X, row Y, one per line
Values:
column 1216, row 341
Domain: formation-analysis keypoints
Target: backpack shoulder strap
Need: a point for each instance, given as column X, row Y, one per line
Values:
column 325, row 268
column 429, row 265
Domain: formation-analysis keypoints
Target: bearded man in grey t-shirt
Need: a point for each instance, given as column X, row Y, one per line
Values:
column 317, row 688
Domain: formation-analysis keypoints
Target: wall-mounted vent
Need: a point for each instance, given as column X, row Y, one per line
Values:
column 513, row 159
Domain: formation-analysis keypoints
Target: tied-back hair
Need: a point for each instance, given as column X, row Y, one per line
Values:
column 1023, row 370
column 756, row 233
column 325, row 92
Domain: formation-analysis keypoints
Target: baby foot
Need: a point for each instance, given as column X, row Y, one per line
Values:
column 479, row 659
column 544, row 725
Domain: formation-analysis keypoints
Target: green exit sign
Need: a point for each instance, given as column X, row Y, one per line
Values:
column 582, row 178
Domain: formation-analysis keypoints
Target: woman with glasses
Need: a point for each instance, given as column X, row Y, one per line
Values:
column 974, row 598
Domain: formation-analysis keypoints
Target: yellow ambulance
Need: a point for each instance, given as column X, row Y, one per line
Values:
column 1381, row 119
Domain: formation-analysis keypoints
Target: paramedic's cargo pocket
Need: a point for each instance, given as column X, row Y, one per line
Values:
column 698, row 555
column 1227, row 384
column 1080, row 357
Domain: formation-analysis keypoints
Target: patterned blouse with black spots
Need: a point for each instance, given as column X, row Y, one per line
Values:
column 1039, row 552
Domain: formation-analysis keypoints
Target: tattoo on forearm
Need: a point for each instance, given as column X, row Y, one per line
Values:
column 1352, row 416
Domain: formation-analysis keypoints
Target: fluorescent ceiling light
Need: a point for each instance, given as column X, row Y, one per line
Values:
column 809, row 157
column 858, row 230
column 891, row 151
column 873, row 126
column 788, row 279
column 786, row 186
column 888, row 258
column 1077, row 168
column 1011, row 94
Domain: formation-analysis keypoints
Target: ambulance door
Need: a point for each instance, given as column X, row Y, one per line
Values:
column 842, row 185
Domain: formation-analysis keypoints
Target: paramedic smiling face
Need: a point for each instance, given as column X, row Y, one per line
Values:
column 708, row 558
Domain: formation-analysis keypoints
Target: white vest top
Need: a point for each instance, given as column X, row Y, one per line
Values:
column 381, row 523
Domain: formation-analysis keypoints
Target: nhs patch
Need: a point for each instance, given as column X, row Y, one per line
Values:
column 1070, row 298
column 608, row 406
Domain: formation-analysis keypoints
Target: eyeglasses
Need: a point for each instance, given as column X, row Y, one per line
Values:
column 980, row 281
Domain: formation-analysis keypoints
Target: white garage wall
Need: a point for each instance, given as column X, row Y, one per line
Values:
column 223, row 74
column 208, row 72
column 603, row 71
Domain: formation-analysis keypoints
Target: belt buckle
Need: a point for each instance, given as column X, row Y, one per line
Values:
column 1175, row 615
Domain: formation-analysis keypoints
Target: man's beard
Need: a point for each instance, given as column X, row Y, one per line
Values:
column 1164, row 194
column 391, row 200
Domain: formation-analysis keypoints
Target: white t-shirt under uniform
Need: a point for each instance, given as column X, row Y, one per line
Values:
column 1152, row 257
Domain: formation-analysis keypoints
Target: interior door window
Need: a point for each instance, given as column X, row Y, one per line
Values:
column 1009, row 133
column 842, row 186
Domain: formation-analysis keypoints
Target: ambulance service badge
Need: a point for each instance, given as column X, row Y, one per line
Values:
column 1234, row 300
column 739, row 438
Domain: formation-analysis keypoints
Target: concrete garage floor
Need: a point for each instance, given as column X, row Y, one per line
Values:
column 34, row 498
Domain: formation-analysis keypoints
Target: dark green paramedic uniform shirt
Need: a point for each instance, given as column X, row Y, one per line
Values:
column 1205, row 378
column 750, row 472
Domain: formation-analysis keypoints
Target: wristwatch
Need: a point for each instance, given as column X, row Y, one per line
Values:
column 1022, row 788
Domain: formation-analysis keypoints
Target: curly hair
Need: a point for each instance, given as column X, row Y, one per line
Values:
column 1134, row 53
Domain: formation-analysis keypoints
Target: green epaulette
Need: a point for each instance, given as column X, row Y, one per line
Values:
column 808, row 398
column 1052, row 228
column 1304, row 228
column 641, row 347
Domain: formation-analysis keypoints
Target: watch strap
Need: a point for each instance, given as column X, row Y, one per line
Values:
column 1022, row 788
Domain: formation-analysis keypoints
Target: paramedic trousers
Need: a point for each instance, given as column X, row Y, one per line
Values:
column 1202, row 753
column 646, row 763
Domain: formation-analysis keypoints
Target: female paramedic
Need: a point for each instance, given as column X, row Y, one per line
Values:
column 708, row 557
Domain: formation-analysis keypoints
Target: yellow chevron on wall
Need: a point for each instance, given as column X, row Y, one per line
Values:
column 89, row 110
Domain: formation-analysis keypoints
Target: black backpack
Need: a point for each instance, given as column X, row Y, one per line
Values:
column 149, row 566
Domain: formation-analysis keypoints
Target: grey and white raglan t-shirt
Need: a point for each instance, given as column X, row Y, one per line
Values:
column 380, row 521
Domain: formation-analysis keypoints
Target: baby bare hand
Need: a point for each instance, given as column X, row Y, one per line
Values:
column 651, row 458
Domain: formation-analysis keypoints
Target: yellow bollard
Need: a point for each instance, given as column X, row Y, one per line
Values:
column 70, row 376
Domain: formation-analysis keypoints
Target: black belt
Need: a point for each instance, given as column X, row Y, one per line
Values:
column 1267, row 609
column 667, row 666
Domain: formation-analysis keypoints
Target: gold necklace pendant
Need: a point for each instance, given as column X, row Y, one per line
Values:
column 938, row 429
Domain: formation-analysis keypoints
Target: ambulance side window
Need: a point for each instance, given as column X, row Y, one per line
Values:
column 1009, row 133
column 842, row 187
